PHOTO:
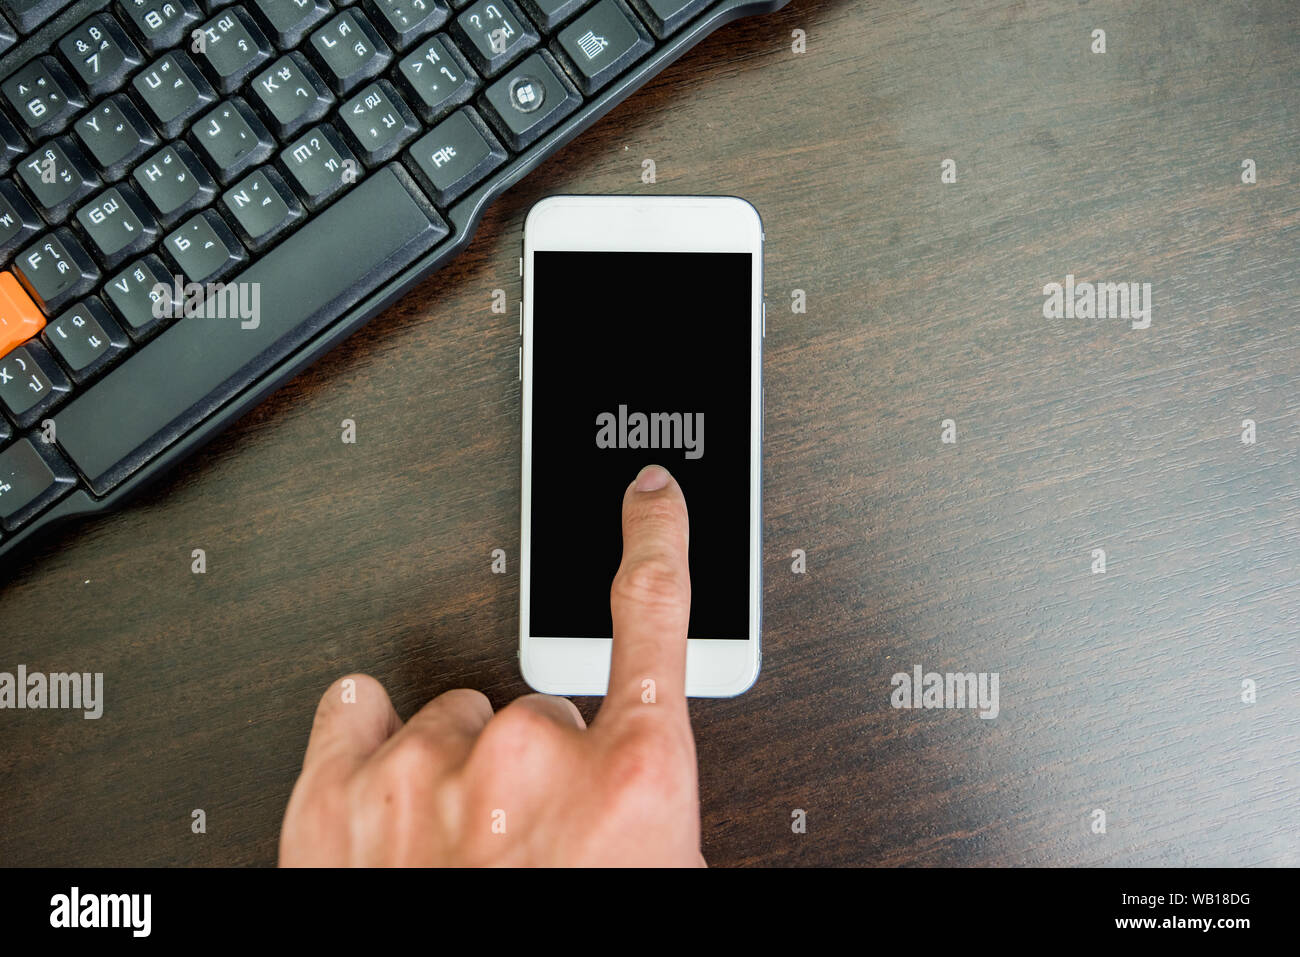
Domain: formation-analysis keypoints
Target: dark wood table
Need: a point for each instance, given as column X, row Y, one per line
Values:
column 1119, row 691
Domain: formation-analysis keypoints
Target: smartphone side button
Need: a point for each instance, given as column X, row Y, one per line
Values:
column 764, row 318
column 521, row 363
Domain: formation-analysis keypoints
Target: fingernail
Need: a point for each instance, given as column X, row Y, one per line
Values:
column 652, row 478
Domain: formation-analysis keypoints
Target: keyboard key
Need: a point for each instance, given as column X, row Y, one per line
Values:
column 18, row 224
column 601, row 44
column 231, row 139
column 668, row 16
column 174, row 182
column 115, row 135
column 262, row 206
column 101, row 54
column 232, row 48
column 549, row 14
column 377, row 123
column 27, row 15
column 134, row 296
column 43, row 96
column 31, row 383
column 32, row 476
column 319, row 165
column 160, row 24
column 457, row 154
column 402, row 22
column 58, row 177
column 12, row 145
column 8, row 37
column 348, row 51
column 163, row 391
column 204, row 249
column 437, row 78
column 290, row 95
column 174, row 91
column 118, row 225
column 20, row 319
column 493, row 34
column 85, row 339
column 286, row 21
column 56, row 270
column 529, row 99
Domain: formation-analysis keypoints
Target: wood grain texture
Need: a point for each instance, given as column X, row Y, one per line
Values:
column 1118, row 691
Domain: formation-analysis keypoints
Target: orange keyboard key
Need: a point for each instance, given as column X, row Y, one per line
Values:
column 19, row 317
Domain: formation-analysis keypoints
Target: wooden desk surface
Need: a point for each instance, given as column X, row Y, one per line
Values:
column 1118, row 691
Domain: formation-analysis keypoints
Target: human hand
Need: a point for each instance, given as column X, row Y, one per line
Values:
column 533, row 785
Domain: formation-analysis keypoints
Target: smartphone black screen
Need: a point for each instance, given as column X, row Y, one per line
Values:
column 632, row 349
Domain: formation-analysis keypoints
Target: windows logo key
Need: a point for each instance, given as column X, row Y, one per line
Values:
column 527, row 93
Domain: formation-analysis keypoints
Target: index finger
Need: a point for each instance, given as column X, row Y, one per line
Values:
column 650, row 601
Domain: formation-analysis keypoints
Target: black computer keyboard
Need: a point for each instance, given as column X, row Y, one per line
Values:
column 198, row 198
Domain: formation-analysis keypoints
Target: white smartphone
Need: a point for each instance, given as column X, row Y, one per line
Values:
column 642, row 324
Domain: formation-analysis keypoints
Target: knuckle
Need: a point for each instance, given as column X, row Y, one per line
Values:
column 468, row 699
column 387, row 799
column 653, row 581
column 515, row 730
column 643, row 768
column 409, row 759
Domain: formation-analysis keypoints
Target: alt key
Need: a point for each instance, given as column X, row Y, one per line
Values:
column 32, row 476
